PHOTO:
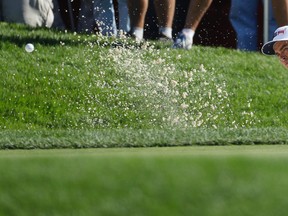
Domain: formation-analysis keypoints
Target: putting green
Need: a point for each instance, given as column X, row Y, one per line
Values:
column 198, row 180
column 233, row 150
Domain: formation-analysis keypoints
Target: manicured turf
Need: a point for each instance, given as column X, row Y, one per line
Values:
column 86, row 91
column 219, row 180
column 81, row 91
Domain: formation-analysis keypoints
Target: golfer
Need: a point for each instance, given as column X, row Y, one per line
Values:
column 278, row 46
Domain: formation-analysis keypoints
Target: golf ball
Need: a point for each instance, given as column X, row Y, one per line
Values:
column 29, row 47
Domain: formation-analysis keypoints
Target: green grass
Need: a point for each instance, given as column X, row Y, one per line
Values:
column 79, row 91
column 231, row 180
column 83, row 84
column 138, row 138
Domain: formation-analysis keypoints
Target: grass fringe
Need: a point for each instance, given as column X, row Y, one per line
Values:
column 56, row 139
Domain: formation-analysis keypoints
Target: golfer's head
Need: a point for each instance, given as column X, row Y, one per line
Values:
column 278, row 46
column 281, row 50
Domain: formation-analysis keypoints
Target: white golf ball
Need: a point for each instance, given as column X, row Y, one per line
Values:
column 29, row 47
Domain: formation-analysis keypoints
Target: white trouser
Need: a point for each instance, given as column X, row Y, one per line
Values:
column 35, row 13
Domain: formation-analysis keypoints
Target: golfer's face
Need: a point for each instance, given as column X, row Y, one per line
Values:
column 281, row 50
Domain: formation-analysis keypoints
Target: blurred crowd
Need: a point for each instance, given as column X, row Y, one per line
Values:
column 116, row 17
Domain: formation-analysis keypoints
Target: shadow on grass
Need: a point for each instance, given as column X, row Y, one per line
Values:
column 20, row 35
column 20, row 41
